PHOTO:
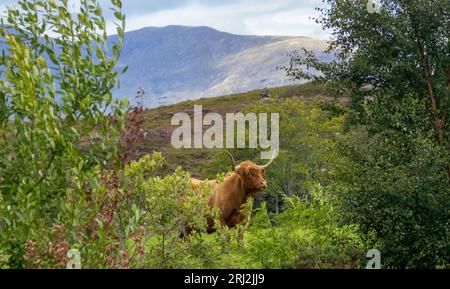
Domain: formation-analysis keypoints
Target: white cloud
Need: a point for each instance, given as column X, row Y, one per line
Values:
column 298, row 22
column 249, row 17
column 246, row 17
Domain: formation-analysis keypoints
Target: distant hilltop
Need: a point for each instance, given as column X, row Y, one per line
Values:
column 177, row 63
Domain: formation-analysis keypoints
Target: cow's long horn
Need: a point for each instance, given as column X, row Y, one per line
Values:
column 233, row 160
column 270, row 162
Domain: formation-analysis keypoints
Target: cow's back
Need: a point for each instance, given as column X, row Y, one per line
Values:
column 198, row 185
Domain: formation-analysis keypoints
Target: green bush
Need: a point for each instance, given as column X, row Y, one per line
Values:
column 392, row 170
column 166, row 204
column 305, row 235
column 59, row 127
column 397, row 187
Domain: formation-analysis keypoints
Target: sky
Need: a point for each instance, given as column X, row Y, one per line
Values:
column 245, row 17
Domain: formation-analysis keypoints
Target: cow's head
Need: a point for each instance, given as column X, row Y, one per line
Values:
column 251, row 174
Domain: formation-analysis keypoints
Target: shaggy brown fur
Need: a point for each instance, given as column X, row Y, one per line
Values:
column 234, row 191
column 228, row 196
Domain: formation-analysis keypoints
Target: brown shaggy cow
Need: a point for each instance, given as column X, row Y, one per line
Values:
column 228, row 196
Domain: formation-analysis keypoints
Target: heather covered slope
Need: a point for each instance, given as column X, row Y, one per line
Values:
column 158, row 128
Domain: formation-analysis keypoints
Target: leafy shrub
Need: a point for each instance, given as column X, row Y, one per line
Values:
column 392, row 172
column 304, row 236
column 57, row 136
column 397, row 187
column 166, row 204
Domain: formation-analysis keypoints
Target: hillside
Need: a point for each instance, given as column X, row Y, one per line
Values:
column 177, row 63
column 158, row 128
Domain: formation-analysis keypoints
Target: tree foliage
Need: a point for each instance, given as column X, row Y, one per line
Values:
column 304, row 236
column 58, row 122
column 394, row 175
column 307, row 132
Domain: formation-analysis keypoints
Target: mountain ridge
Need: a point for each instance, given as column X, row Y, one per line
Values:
column 176, row 63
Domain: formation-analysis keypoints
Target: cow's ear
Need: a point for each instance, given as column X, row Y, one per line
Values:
column 240, row 171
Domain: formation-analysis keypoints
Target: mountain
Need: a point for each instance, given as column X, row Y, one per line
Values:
column 177, row 63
